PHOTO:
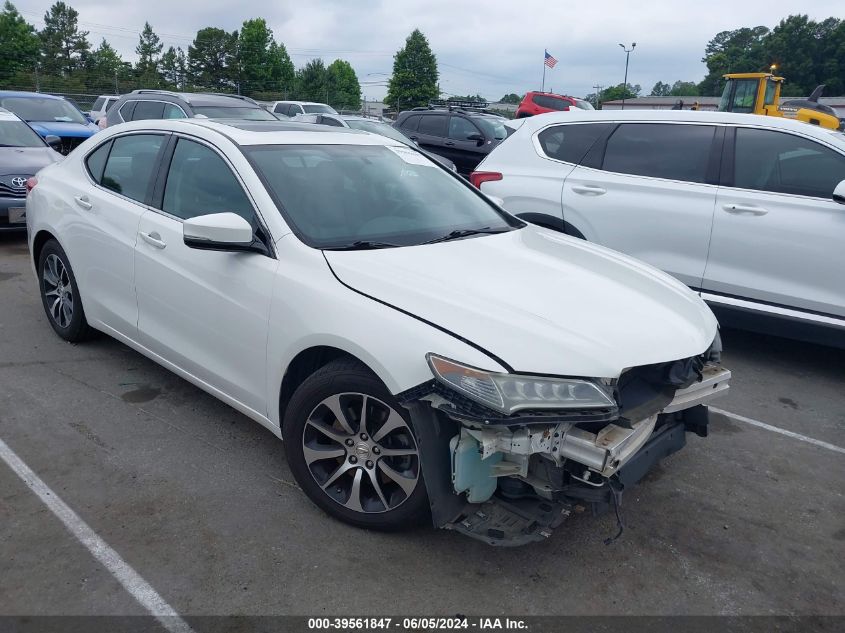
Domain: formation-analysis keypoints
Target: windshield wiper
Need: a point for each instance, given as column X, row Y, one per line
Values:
column 363, row 245
column 459, row 233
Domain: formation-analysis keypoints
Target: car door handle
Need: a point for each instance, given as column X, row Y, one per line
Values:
column 589, row 190
column 82, row 201
column 744, row 209
column 449, row 143
column 413, row 138
column 153, row 239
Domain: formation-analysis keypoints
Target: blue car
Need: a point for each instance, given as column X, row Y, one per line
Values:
column 50, row 116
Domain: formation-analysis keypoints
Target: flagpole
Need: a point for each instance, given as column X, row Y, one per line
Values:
column 543, row 89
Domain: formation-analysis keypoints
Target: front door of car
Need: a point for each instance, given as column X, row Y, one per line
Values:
column 463, row 144
column 102, row 245
column 777, row 233
column 204, row 311
column 647, row 194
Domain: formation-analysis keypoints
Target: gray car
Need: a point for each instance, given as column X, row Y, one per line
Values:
column 22, row 154
column 164, row 104
column 370, row 125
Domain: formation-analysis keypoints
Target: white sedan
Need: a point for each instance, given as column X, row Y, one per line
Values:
column 421, row 352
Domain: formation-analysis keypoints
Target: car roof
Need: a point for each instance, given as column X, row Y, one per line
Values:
column 681, row 116
column 243, row 132
column 29, row 95
column 197, row 98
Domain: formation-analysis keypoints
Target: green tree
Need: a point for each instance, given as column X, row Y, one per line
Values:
column 661, row 90
column 831, row 56
column 616, row 93
column 344, row 91
column 684, row 89
column 311, row 81
column 282, row 73
column 254, row 55
column 212, row 59
column 63, row 46
column 105, row 69
column 792, row 46
column 511, row 98
column 149, row 51
column 415, row 75
column 19, row 43
column 741, row 50
column 174, row 68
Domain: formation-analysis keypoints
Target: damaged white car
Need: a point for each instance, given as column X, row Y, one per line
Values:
column 423, row 354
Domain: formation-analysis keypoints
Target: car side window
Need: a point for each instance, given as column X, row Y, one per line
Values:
column 433, row 125
column 460, row 128
column 785, row 163
column 148, row 110
column 552, row 103
column 570, row 143
column 660, row 150
column 199, row 182
column 281, row 108
column 98, row 104
column 96, row 161
column 411, row 123
column 130, row 164
column 173, row 112
column 325, row 120
column 110, row 103
column 126, row 109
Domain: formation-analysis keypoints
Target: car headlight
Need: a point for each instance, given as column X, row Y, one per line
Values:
column 508, row 393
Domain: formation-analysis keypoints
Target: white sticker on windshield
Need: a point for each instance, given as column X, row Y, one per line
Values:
column 409, row 156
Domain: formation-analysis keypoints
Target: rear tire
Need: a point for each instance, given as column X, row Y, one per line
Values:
column 351, row 447
column 60, row 294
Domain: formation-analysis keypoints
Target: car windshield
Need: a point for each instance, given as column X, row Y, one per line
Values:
column 377, row 127
column 493, row 127
column 43, row 109
column 18, row 134
column 246, row 113
column 318, row 108
column 370, row 196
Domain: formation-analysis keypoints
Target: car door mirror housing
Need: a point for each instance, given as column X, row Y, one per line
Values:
column 53, row 141
column 839, row 193
column 219, row 232
column 475, row 137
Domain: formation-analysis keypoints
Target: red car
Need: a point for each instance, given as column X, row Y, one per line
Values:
column 541, row 102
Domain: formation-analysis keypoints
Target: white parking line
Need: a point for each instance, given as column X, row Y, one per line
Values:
column 137, row 587
column 776, row 429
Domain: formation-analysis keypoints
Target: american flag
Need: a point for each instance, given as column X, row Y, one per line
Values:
column 550, row 61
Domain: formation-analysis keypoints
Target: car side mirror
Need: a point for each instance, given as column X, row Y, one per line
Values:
column 219, row 232
column 839, row 193
column 476, row 137
column 53, row 141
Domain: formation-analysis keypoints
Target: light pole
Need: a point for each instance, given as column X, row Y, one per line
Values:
column 628, row 52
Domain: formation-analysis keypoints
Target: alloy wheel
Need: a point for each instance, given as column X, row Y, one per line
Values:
column 361, row 452
column 58, row 291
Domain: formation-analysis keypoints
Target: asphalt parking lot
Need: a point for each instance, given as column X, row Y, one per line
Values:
column 199, row 501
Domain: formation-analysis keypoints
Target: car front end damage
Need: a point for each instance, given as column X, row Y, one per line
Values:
column 508, row 474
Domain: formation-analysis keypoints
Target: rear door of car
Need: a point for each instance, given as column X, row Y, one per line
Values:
column 432, row 131
column 778, row 236
column 459, row 147
column 649, row 191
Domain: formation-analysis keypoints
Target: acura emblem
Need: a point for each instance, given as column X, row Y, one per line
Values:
column 18, row 182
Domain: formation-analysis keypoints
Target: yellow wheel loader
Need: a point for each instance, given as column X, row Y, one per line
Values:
column 759, row 93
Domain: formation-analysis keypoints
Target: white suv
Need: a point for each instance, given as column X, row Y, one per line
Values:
column 292, row 108
column 748, row 210
column 420, row 351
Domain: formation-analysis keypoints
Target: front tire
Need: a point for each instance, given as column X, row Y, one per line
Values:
column 352, row 449
column 60, row 294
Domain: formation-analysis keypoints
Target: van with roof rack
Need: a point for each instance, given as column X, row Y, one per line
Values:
column 166, row 104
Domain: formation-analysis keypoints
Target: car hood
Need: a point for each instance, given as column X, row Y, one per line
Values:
column 61, row 128
column 16, row 161
column 538, row 300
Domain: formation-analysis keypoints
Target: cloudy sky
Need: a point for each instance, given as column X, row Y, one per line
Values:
column 491, row 47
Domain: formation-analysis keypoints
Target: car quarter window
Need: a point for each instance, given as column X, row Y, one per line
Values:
column 325, row 120
column 570, row 143
column 785, row 163
column 131, row 163
column 660, row 150
column 125, row 110
column 460, row 128
column 433, row 125
column 98, row 104
column 148, row 110
column 96, row 161
column 199, row 182
column 173, row 112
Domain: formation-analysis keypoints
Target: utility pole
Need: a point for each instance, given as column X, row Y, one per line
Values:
column 598, row 90
column 628, row 52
